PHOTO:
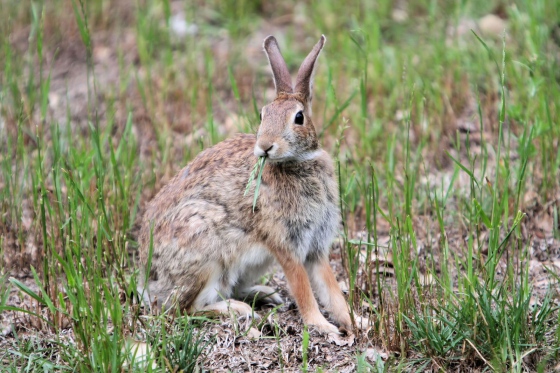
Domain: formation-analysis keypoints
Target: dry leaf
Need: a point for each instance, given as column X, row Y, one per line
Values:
column 383, row 269
column 372, row 354
column 362, row 323
column 427, row 279
column 340, row 340
column 544, row 225
column 531, row 198
column 137, row 354
column 6, row 328
column 254, row 333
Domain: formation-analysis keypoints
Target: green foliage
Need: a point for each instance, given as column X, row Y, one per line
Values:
column 256, row 177
column 394, row 94
column 181, row 347
column 304, row 350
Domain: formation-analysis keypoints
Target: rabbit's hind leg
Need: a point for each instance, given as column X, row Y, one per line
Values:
column 253, row 265
column 228, row 306
column 214, row 297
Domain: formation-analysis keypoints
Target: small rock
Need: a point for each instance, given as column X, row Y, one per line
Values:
column 372, row 354
column 6, row 329
column 101, row 53
column 253, row 333
column 54, row 100
column 180, row 27
column 399, row 15
column 492, row 25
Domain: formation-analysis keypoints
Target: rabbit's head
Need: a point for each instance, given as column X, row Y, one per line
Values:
column 286, row 132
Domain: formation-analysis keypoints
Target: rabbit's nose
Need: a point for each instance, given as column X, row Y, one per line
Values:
column 260, row 152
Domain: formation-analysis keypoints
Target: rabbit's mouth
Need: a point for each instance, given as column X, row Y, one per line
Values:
column 272, row 158
column 290, row 157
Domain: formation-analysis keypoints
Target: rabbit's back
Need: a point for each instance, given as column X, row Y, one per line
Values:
column 194, row 229
column 199, row 197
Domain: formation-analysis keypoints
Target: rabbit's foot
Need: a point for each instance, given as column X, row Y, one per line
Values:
column 261, row 294
column 225, row 307
column 325, row 327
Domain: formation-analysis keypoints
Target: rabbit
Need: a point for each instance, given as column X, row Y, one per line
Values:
column 207, row 244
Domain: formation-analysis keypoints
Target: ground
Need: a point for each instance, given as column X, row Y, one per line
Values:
column 429, row 167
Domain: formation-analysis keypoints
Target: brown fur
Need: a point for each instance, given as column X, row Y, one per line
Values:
column 208, row 244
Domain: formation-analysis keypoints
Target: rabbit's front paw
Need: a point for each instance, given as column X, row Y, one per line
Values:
column 325, row 327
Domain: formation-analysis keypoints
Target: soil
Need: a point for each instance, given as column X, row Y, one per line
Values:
column 244, row 347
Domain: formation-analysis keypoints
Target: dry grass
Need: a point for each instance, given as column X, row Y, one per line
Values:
column 421, row 92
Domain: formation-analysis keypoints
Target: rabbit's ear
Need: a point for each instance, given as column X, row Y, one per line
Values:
column 282, row 78
column 304, row 80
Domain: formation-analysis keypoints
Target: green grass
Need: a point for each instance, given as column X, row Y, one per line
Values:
column 82, row 154
column 256, row 176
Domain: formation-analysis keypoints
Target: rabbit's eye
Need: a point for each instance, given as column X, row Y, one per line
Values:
column 260, row 117
column 299, row 118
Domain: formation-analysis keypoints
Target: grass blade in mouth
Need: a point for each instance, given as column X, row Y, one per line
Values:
column 256, row 172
